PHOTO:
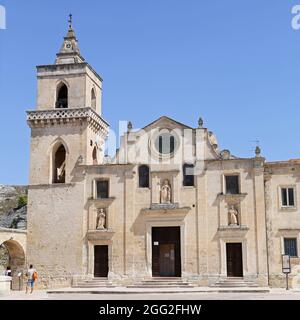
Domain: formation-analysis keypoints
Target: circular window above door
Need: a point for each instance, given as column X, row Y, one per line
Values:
column 165, row 143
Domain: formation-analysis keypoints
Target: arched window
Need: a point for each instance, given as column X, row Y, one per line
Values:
column 62, row 97
column 144, row 176
column 93, row 99
column 188, row 175
column 59, row 165
column 95, row 160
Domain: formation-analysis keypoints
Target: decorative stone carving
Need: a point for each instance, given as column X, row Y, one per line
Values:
column 47, row 117
column 200, row 123
column 225, row 154
column 101, row 219
column 257, row 151
column 129, row 126
column 213, row 140
column 165, row 192
column 233, row 216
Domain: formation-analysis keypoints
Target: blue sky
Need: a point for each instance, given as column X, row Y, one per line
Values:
column 235, row 63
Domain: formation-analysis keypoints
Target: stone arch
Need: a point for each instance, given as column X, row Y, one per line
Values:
column 58, row 161
column 62, row 95
column 16, row 260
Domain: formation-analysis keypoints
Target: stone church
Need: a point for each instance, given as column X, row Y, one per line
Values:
column 171, row 204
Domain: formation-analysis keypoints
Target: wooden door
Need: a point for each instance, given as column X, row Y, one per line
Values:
column 234, row 260
column 101, row 261
column 166, row 255
column 167, row 260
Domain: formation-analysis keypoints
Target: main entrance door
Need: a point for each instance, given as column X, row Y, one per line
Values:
column 101, row 261
column 234, row 260
column 166, row 256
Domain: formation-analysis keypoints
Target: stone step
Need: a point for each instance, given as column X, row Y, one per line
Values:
column 163, row 284
column 145, row 286
column 231, row 283
column 93, row 286
column 94, row 283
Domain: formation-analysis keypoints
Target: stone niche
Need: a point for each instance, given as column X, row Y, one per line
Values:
column 231, row 211
column 165, row 188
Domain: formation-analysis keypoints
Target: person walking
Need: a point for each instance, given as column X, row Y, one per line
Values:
column 31, row 278
column 8, row 272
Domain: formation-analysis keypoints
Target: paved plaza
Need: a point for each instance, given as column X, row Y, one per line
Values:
column 274, row 294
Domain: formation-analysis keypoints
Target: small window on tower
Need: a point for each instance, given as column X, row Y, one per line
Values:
column 62, row 97
column 95, row 160
column 59, row 165
column 93, row 99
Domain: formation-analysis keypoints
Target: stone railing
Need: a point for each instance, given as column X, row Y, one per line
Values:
column 46, row 117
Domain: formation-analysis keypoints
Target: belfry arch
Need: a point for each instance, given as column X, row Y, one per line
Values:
column 62, row 96
column 59, row 158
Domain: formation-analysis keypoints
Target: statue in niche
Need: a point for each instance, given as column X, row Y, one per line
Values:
column 233, row 216
column 101, row 219
column 165, row 192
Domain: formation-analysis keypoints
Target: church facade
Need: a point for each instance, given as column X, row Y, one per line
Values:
column 169, row 204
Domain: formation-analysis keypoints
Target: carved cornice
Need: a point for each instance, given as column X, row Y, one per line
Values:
column 178, row 213
column 105, row 202
column 233, row 228
column 232, row 197
column 44, row 118
column 106, row 234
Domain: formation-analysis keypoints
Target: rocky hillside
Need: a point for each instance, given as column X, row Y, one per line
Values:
column 13, row 206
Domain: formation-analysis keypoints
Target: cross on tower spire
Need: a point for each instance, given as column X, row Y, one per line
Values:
column 70, row 20
column 69, row 51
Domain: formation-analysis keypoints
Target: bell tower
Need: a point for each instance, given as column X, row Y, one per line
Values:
column 68, row 115
column 67, row 135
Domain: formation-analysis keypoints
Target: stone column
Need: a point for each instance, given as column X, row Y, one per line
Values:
column 201, row 224
column 129, row 216
column 155, row 192
column 175, row 189
column 260, row 220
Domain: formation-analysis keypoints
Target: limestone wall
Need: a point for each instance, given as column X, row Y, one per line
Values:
column 55, row 232
column 282, row 222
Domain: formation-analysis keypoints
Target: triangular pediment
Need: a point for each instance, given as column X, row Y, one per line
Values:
column 166, row 122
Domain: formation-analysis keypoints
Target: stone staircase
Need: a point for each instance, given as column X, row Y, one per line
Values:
column 162, row 283
column 235, row 283
column 94, row 283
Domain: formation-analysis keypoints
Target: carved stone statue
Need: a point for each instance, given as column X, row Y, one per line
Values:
column 101, row 220
column 165, row 192
column 233, row 216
